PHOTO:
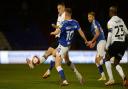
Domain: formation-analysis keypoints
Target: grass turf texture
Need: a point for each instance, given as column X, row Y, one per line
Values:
column 19, row 76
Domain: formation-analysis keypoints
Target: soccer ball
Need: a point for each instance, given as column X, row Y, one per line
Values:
column 35, row 60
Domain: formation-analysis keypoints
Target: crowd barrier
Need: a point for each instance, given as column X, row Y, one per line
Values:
column 19, row 57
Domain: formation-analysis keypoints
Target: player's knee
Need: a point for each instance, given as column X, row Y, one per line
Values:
column 107, row 57
column 56, row 64
column 54, row 54
column 98, row 59
column 48, row 52
column 116, row 62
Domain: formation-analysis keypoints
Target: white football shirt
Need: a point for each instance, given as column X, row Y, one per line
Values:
column 118, row 29
column 60, row 19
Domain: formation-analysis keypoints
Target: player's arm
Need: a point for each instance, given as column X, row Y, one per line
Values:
column 125, row 29
column 93, row 41
column 55, row 26
column 57, row 31
column 82, row 35
column 96, row 35
column 109, row 37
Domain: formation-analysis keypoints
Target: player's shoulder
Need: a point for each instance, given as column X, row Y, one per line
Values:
column 121, row 20
column 113, row 18
column 95, row 22
column 65, row 21
column 110, row 21
column 110, row 24
column 73, row 20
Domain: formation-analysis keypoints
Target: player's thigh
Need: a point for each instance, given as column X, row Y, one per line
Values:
column 101, row 48
column 54, row 53
column 108, row 55
column 112, row 51
column 66, row 56
column 119, row 56
column 58, row 60
column 49, row 52
column 116, row 62
column 61, row 50
column 54, row 43
column 118, row 50
column 52, row 47
column 60, row 53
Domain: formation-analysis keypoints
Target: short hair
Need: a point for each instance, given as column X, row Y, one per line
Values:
column 113, row 9
column 92, row 13
column 68, row 10
column 61, row 3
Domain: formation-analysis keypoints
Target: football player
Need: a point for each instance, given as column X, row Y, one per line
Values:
column 99, row 41
column 116, row 45
column 67, row 29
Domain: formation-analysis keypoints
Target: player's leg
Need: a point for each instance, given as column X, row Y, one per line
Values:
column 52, row 64
column 48, row 52
column 109, row 54
column 60, row 52
column 109, row 71
column 100, row 68
column 99, row 58
column 120, row 70
column 41, row 59
column 73, row 68
column 118, row 57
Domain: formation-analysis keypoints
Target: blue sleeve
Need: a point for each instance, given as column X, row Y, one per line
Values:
column 78, row 26
column 96, row 25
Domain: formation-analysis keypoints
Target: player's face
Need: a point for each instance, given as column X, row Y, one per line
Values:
column 90, row 18
column 60, row 9
column 110, row 13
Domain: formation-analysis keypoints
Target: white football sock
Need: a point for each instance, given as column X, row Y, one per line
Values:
column 109, row 70
column 79, row 76
column 120, row 71
column 102, row 74
column 73, row 67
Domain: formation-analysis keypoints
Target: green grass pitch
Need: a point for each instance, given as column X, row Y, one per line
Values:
column 19, row 76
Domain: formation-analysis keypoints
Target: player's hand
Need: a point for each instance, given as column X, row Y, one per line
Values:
column 55, row 26
column 89, row 43
column 92, row 45
column 52, row 33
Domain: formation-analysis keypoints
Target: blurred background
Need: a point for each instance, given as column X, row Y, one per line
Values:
column 26, row 24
